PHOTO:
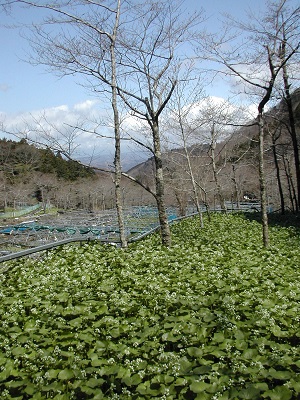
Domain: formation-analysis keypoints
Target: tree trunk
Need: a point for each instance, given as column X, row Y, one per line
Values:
column 263, row 190
column 117, row 160
column 215, row 173
column 291, row 188
column 159, row 183
column 194, row 186
column 236, row 189
column 196, row 200
column 118, row 193
column 292, row 129
column 181, row 202
column 282, row 206
column 293, row 134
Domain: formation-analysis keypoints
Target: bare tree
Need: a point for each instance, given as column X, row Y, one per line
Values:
column 286, row 21
column 187, row 95
column 254, row 63
column 212, row 121
column 84, row 43
column 274, row 128
column 153, row 67
column 290, row 182
column 124, row 48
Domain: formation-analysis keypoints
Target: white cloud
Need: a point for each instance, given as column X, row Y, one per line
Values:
column 55, row 126
column 212, row 102
column 59, row 109
column 85, row 105
column 220, row 109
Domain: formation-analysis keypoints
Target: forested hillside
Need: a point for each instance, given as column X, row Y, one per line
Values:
column 29, row 175
column 19, row 159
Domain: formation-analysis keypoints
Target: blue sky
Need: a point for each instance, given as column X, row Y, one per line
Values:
column 26, row 89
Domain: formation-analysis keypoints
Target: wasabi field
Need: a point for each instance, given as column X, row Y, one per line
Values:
column 214, row 316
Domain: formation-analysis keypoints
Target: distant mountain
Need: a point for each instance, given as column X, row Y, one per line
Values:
column 241, row 139
column 142, row 168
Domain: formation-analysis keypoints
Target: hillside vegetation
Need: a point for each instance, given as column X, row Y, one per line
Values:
column 19, row 159
column 214, row 317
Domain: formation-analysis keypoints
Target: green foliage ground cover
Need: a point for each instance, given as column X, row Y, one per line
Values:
column 213, row 317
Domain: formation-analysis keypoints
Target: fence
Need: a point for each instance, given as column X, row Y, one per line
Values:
column 49, row 232
column 18, row 213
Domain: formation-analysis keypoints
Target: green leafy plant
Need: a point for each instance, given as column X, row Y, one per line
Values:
column 216, row 316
